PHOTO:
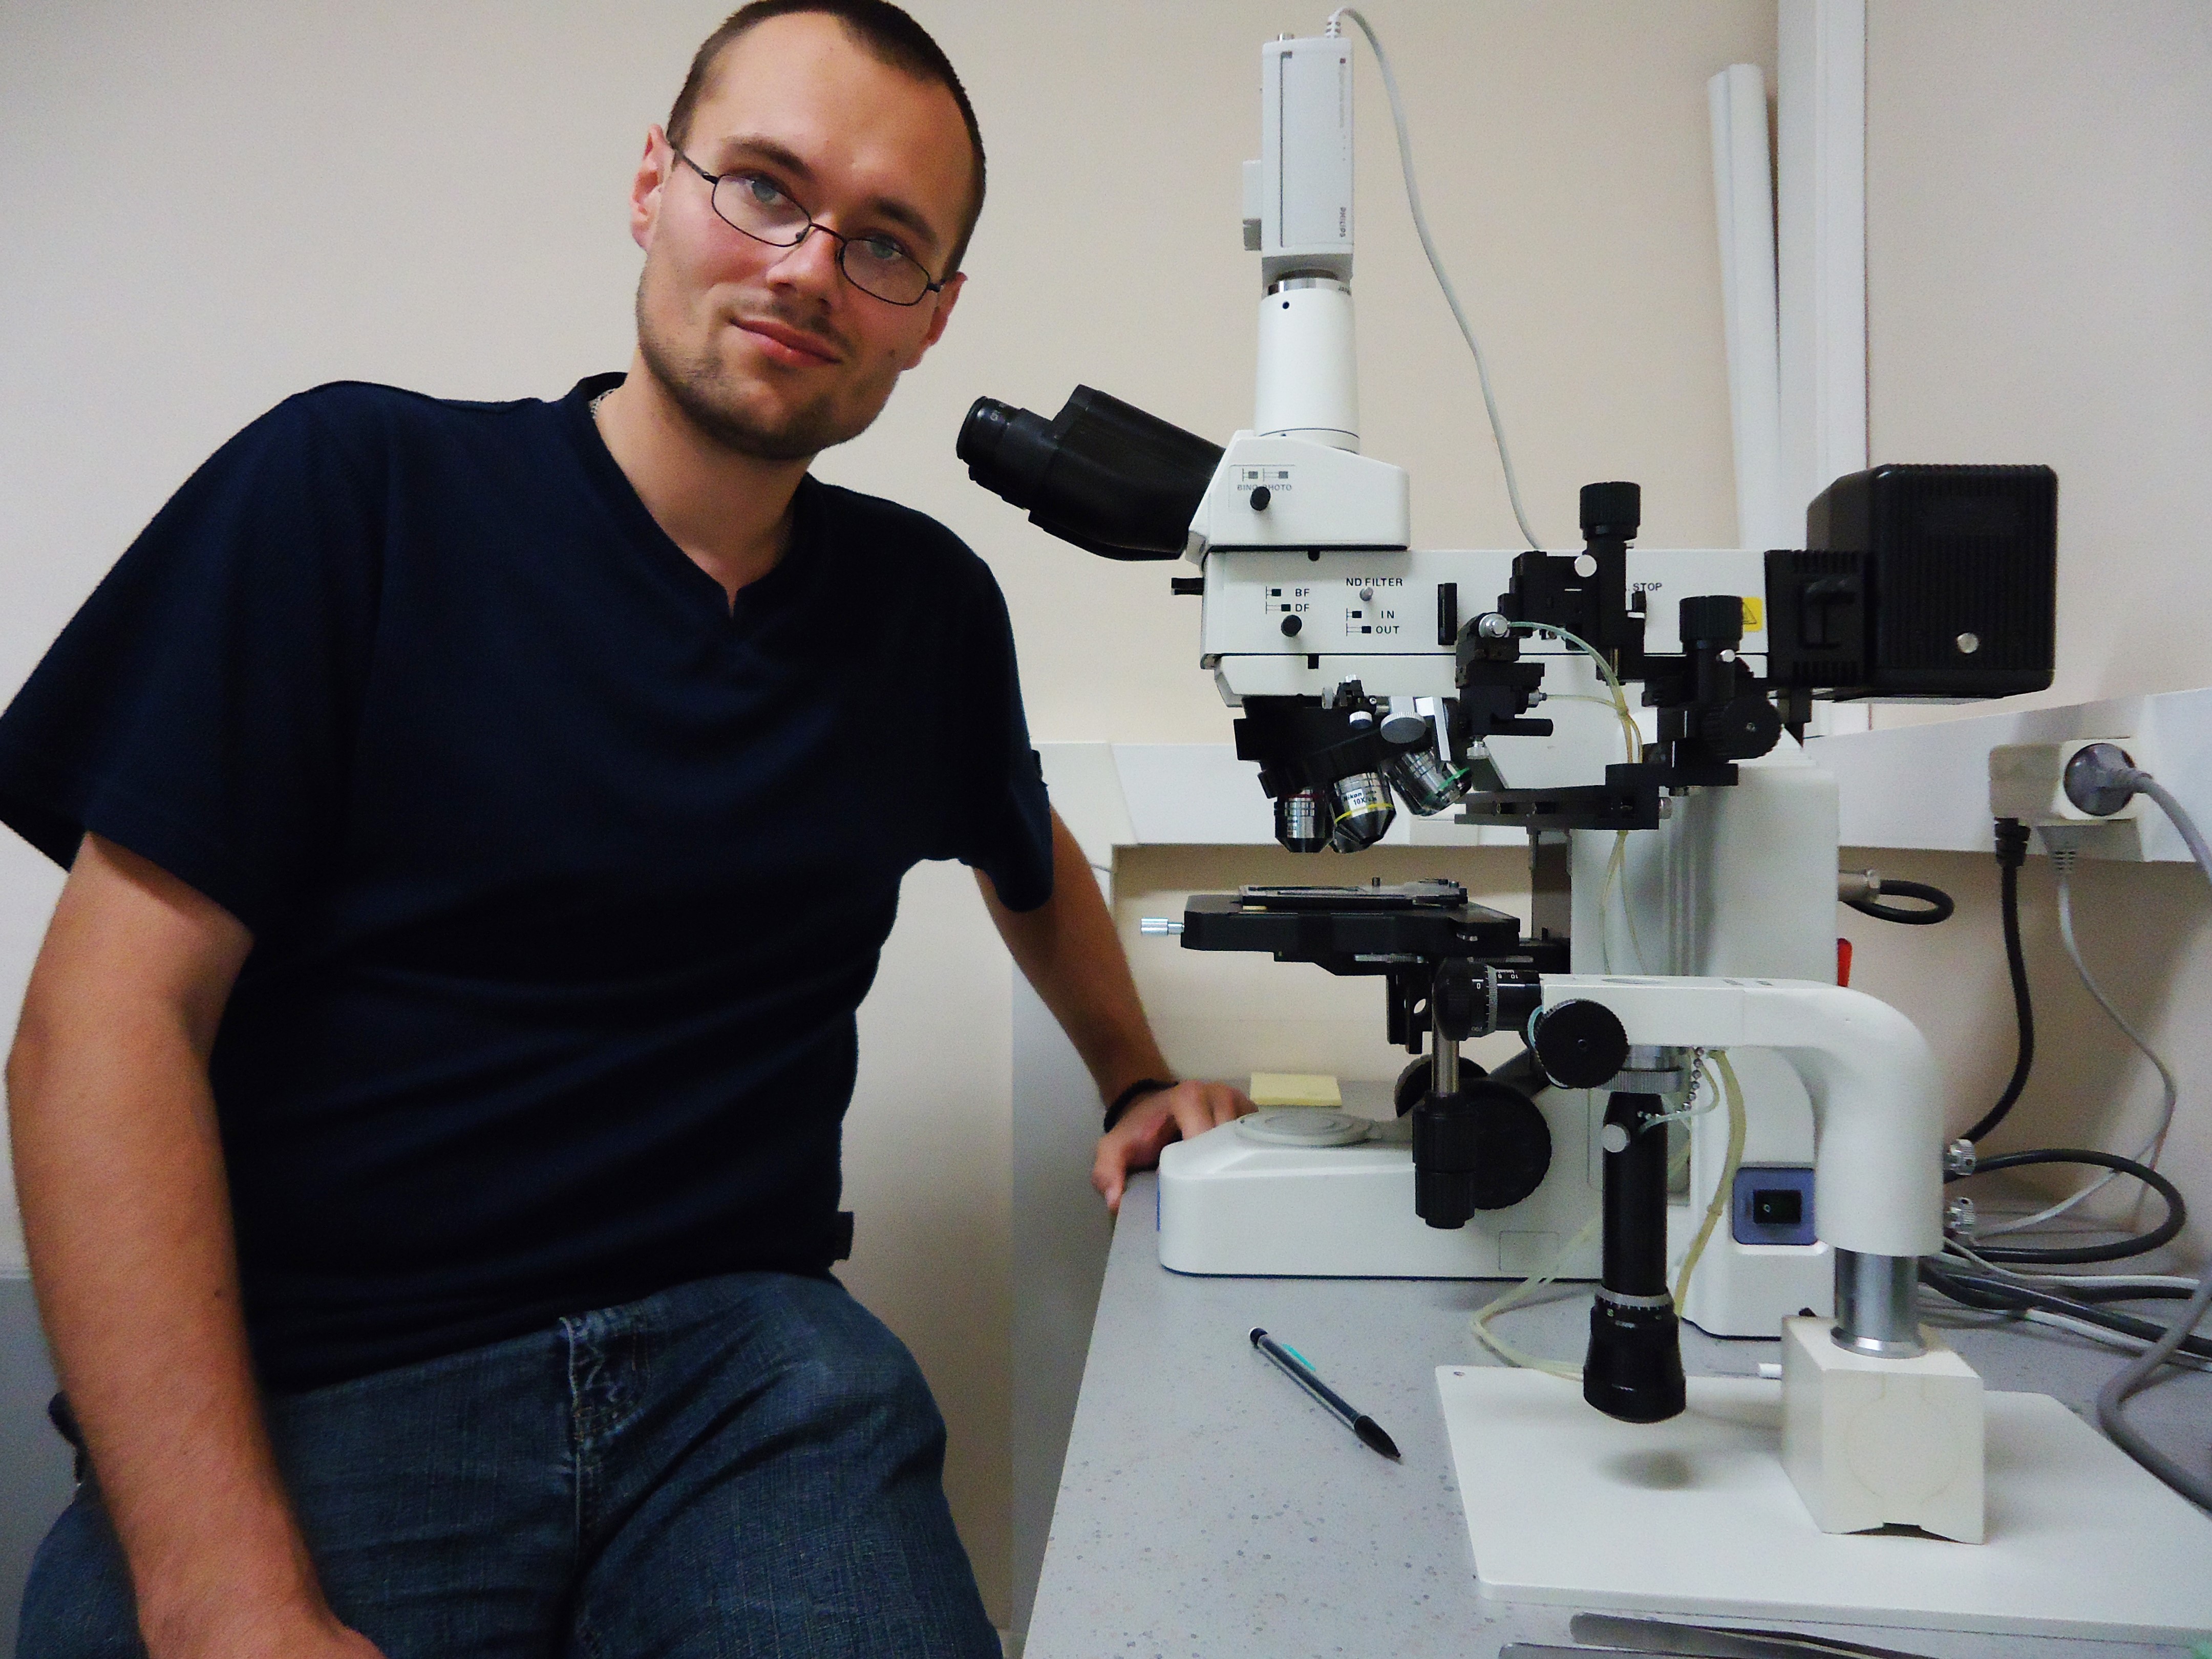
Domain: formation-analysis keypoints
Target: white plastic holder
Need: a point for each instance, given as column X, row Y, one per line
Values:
column 1874, row 1441
column 1294, row 495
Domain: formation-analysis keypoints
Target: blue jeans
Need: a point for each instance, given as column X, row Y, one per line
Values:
column 749, row 1465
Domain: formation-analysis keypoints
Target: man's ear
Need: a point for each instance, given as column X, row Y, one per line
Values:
column 652, row 177
column 942, row 301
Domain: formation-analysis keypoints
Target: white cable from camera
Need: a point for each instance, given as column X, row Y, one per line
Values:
column 1435, row 261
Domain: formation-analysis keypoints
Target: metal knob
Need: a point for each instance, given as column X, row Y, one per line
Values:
column 1158, row 927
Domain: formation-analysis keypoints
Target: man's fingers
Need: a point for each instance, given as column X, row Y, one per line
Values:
column 1134, row 1143
column 1194, row 1114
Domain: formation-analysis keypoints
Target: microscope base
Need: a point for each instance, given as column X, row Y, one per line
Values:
column 1229, row 1204
column 1869, row 1442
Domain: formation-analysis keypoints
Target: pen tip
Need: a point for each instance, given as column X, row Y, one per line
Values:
column 1370, row 1432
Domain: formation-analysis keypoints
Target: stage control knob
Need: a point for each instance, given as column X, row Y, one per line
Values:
column 1580, row 1045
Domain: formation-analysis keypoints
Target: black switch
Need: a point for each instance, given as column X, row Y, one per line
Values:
column 1777, row 1207
column 1290, row 626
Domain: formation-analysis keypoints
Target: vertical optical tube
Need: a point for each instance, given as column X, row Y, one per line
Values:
column 1308, row 383
column 1633, row 1370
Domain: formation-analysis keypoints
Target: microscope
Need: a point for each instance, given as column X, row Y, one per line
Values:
column 1683, row 862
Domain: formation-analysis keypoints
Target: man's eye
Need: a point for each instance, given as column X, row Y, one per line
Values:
column 763, row 192
column 882, row 249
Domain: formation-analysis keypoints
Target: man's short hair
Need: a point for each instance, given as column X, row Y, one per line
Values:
column 893, row 39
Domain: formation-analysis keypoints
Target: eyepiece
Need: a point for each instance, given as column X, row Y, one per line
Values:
column 1101, row 474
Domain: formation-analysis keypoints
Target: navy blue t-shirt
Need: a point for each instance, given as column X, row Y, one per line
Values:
column 565, row 878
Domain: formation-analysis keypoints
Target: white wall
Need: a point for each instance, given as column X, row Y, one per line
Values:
column 208, row 207
column 2039, row 289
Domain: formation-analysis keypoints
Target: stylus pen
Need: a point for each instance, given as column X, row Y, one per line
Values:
column 1293, row 1364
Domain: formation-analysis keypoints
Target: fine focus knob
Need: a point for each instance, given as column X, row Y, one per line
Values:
column 1290, row 626
column 1579, row 1044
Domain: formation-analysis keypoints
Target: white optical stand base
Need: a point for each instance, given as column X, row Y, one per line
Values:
column 1697, row 1516
column 1881, row 1442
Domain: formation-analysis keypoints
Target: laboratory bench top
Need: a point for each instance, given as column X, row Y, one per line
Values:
column 1207, row 1508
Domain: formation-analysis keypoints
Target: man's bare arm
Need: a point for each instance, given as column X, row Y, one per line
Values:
column 127, row 1214
column 1070, row 952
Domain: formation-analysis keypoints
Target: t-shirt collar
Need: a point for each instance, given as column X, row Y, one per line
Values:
column 801, row 559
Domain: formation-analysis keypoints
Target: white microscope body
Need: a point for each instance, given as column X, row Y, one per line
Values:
column 1684, row 873
column 1310, row 583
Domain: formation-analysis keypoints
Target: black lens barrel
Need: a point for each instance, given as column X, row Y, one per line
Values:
column 1102, row 473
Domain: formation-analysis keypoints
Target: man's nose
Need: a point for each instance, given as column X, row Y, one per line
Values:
column 811, row 264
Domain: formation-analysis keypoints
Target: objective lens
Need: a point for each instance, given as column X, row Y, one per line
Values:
column 1364, row 812
column 1301, row 823
column 1420, row 779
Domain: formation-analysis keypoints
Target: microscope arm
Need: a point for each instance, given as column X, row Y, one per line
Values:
column 1877, row 1117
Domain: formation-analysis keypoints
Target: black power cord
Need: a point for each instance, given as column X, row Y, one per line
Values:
column 1938, row 904
column 1971, row 1290
column 2012, row 836
column 2177, row 1212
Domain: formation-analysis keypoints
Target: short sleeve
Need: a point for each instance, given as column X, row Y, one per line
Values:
column 1007, row 831
column 199, row 709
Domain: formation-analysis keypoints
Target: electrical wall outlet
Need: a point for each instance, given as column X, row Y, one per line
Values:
column 2028, row 782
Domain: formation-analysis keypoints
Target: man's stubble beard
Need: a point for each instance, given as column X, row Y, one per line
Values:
column 700, row 385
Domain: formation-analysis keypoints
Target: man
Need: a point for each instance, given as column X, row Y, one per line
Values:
column 482, row 823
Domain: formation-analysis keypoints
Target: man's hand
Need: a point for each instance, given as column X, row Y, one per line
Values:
column 1176, row 1114
column 302, row 1630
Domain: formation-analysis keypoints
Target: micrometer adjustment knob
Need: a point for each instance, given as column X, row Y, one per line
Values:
column 1579, row 1044
column 1712, row 619
column 1459, row 999
column 1613, row 511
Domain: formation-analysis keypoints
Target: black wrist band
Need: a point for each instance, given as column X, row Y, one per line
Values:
column 1135, row 1092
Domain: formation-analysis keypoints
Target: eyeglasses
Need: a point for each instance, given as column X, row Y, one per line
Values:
column 755, row 205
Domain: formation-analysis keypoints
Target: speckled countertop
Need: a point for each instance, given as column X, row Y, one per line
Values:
column 1208, row 1507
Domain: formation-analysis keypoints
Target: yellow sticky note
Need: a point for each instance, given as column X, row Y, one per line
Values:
column 1295, row 1089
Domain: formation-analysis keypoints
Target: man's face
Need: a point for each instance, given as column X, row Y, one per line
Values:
column 770, row 351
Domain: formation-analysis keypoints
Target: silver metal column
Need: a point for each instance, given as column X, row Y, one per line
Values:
column 1876, row 1308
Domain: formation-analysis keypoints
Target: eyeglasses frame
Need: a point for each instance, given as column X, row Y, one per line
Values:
column 714, row 183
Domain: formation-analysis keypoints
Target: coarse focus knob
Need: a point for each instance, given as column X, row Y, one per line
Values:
column 1612, row 512
column 1580, row 1045
column 1484, row 1146
column 1712, row 619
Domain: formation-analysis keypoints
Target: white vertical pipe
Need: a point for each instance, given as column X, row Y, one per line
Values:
column 1821, row 240
column 1744, row 196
